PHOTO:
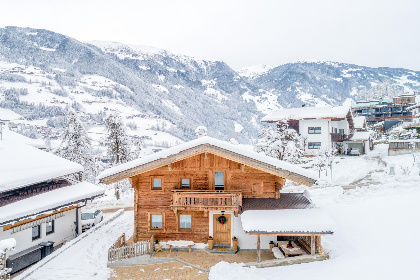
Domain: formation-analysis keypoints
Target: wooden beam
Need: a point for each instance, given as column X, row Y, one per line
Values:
column 258, row 248
column 312, row 245
column 38, row 218
column 318, row 241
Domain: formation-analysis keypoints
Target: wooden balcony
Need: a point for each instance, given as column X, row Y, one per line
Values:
column 207, row 200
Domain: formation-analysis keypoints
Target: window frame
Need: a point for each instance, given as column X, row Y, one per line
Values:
column 314, row 129
column 52, row 226
column 190, row 183
column 39, row 233
column 313, row 145
column 179, row 221
column 152, row 182
column 151, row 221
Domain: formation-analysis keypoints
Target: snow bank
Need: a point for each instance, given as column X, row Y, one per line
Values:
column 22, row 165
column 49, row 201
column 213, row 142
column 308, row 113
column 7, row 244
column 311, row 220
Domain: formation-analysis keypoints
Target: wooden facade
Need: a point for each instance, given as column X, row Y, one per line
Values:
column 167, row 199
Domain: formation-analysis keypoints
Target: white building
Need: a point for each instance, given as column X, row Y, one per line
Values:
column 39, row 207
column 321, row 127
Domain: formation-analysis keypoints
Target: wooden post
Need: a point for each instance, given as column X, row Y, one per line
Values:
column 320, row 249
column 152, row 244
column 258, row 248
column 312, row 244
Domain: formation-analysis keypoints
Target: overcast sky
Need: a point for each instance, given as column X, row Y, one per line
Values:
column 241, row 33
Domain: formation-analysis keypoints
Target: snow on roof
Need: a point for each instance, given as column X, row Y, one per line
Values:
column 23, row 165
column 307, row 113
column 213, row 142
column 359, row 121
column 312, row 220
column 49, row 201
column 9, row 115
column 7, row 244
column 360, row 136
column 13, row 136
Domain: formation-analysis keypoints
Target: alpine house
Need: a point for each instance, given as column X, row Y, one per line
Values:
column 208, row 189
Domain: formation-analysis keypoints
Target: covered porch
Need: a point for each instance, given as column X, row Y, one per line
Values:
column 298, row 231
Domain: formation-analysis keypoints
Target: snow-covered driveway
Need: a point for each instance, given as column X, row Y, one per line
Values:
column 86, row 259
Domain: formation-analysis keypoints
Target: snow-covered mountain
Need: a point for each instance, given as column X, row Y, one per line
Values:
column 318, row 83
column 164, row 95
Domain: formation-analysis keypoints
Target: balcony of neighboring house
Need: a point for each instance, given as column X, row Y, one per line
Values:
column 339, row 137
column 207, row 200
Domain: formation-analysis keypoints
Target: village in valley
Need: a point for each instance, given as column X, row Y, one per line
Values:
column 125, row 161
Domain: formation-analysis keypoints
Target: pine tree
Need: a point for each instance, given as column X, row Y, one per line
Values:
column 282, row 142
column 119, row 146
column 76, row 146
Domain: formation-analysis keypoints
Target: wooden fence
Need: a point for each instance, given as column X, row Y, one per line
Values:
column 130, row 251
column 120, row 242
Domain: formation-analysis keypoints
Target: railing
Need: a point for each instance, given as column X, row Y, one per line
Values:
column 206, row 200
column 338, row 137
column 130, row 251
column 120, row 242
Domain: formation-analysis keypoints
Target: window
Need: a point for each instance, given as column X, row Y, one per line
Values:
column 50, row 227
column 185, row 183
column 184, row 221
column 314, row 130
column 156, row 183
column 335, row 130
column 36, row 232
column 341, row 131
column 156, row 221
column 314, row 145
column 219, row 181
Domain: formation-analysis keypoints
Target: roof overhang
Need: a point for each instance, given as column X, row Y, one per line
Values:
column 203, row 148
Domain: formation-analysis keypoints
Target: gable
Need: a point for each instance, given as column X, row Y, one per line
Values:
column 201, row 151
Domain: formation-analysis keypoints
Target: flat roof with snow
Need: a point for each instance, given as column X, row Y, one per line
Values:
column 360, row 136
column 49, row 201
column 22, row 165
column 287, row 221
column 212, row 145
column 302, row 113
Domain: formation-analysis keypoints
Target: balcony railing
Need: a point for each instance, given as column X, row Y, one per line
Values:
column 207, row 200
column 338, row 137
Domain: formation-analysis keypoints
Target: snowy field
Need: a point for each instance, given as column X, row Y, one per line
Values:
column 86, row 259
column 377, row 226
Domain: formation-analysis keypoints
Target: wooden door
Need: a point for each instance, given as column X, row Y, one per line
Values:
column 221, row 232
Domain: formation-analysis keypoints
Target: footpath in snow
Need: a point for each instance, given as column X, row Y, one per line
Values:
column 87, row 259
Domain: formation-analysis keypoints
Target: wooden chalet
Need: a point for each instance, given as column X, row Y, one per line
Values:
column 200, row 189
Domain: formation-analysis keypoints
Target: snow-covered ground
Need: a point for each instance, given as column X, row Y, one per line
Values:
column 377, row 225
column 87, row 258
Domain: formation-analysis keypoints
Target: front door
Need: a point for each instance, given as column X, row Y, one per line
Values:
column 221, row 228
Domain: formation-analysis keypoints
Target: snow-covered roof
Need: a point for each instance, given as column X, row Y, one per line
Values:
column 16, row 137
column 360, row 136
column 23, row 165
column 49, row 201
column 287, row 221
column 206, row 140
column 359, row 122
column 302, row 113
